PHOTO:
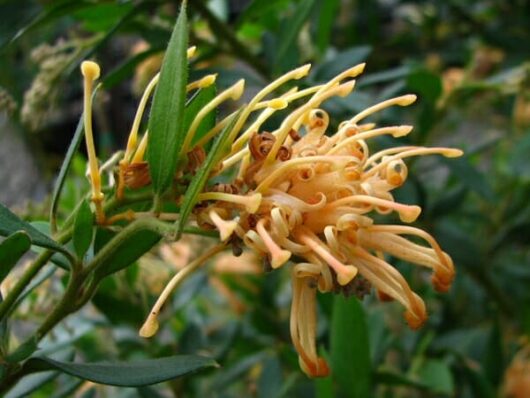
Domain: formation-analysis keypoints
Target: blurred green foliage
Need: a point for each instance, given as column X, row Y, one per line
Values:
column 469, row 65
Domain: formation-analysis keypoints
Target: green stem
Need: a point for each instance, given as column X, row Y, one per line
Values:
column 63, row 308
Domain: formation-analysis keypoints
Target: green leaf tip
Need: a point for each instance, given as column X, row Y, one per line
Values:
column 166, row 132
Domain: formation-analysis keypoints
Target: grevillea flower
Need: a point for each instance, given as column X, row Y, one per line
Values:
column 302, row 194
column 306, row 194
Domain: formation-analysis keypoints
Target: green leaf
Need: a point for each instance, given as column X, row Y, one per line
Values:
column 127, row 68
column 83, row 229
column 234, row 373
column 448, row 202
column 117, row 307
column 480, row 386
column 327, row 15
column 200, row 179
column 31, row 385
column 126, row 374
column 391, row 378
column 428, row 86
column 149, row 392
column 471, row 177
column 425, row 83
column 166, row 133
column 102, row 17
column 289, row 35
column 10, row 223
column 68, row 389
column 259, row 8
column 11, row 249
column 385, row 76
column 127, row 251
column 198, row 102
column 516, row 163
column 324, row 385
column 350, row 348
column 342, row 61
column 23, row 351
column 47, row 16
column 270, row 380
column 493, row 362
column 436, row 375
column 91, row 50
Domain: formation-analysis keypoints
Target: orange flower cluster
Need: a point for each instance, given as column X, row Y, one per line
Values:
column 307, row 195
column 302, row 193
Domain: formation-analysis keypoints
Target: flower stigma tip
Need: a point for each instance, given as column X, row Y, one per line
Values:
column 90, row 70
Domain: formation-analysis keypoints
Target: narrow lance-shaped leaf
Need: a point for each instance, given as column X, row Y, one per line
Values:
column 11, row 249
column 288, row 37
column 128, row 247
column 350, row 353
column 165, row 125
column 83, row 229
column 127, row 68
column 102, row 40
column 327, row 14
column 199, row 180
column 10, row 223
column 126, row 374
column 324, row 385
column 48, row 16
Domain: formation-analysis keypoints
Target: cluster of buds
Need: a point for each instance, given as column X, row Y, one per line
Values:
column 301, row 194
